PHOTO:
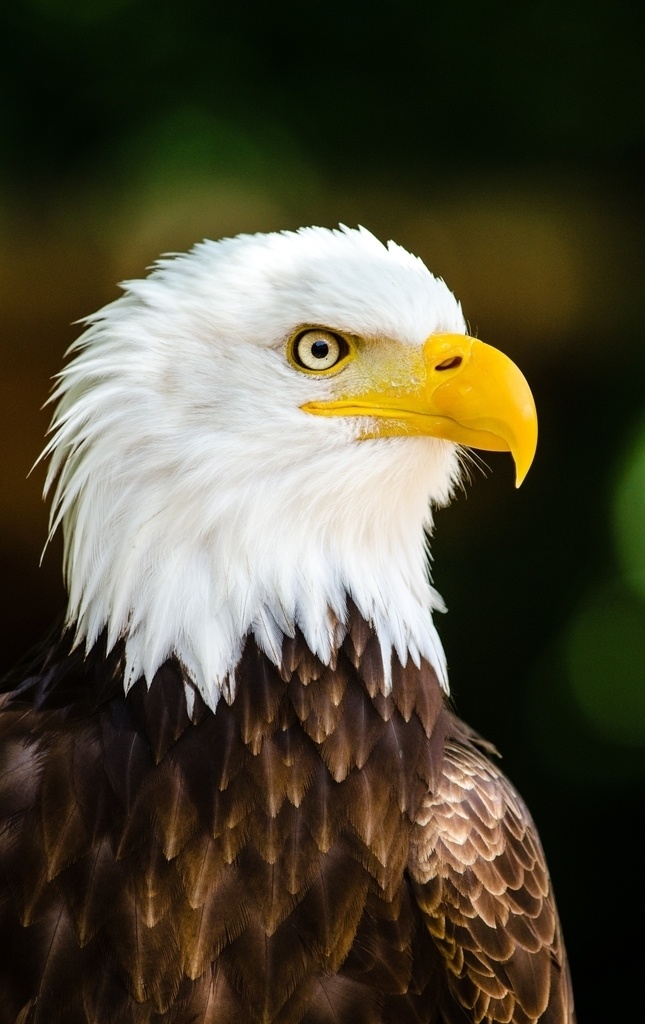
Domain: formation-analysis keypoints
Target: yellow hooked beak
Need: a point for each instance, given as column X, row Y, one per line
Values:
column 455, row 387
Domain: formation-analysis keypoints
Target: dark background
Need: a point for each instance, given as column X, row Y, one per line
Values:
column 503, row 142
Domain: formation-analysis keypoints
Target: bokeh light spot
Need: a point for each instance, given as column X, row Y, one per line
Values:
column 629, row 516
column 605, row 664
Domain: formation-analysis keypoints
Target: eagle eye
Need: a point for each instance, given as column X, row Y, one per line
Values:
column 318, row 350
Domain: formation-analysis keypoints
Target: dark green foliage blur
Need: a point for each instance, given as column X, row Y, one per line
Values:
column 414, row 85
column 502, row 141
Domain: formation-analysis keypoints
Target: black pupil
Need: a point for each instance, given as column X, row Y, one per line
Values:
column 320, row 349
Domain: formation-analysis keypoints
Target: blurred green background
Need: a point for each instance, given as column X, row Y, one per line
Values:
column 504, row 143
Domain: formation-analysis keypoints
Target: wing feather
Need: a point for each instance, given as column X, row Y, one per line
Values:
column 482, row 884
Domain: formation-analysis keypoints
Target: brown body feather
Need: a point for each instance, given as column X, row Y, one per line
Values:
column 315, row 852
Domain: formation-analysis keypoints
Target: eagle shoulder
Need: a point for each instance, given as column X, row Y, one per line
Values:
column 481, row 881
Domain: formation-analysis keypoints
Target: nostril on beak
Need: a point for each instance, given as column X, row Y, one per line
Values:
column 449, row 364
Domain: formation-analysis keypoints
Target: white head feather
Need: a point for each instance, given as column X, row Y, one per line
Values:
column 201, row 504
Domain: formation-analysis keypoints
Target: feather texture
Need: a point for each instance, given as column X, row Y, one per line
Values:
column 482, row 884
column 310, row 852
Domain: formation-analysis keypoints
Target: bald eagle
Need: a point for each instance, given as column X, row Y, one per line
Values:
column 233, row 789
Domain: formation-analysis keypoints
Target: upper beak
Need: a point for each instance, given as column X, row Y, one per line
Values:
column 459, row 389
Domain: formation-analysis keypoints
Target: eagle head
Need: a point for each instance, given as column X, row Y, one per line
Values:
column 255, row 435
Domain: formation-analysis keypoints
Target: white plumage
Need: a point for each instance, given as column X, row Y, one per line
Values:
column 169, row 541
